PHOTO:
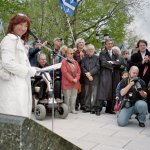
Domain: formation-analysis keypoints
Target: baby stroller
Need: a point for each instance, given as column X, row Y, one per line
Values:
column 42, row 106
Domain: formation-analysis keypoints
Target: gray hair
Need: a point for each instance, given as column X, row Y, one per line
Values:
column 90, row 46
column 41, row 54
column 62, row 47
column 116, row 49
column 134, row 68
column 78, row 41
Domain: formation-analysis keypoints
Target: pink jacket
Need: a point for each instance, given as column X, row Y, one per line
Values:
column 67, row 75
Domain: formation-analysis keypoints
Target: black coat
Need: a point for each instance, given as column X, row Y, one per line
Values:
column 136, row 60
column 33, row 56
column 109, row 75
column 90, row 64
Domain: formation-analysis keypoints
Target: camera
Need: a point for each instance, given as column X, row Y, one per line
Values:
column 131, row 96
column 128, row 101
column 135, row 79
column 137, row 85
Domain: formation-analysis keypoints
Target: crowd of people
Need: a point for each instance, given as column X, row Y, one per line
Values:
column 87, row 80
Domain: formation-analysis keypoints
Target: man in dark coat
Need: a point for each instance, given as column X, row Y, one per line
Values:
column 109, row 77
column 42, row 62
column 90, row 69
column 34, row 52
column 141, row 59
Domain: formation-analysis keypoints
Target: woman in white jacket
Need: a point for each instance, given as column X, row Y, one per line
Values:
column 15, row 92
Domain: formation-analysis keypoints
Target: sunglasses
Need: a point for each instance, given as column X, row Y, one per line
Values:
column 21, row 14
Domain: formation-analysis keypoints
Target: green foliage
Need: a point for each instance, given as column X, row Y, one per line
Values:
column 7, row 8
column 90, row 16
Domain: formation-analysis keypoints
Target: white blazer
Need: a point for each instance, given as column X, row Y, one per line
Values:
column 15, row 94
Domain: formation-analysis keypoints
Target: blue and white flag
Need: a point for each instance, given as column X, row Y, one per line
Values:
column 68, row 6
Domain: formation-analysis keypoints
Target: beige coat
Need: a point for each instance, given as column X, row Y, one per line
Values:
column 15, row 94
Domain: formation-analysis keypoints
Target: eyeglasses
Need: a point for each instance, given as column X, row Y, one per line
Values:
column 70, row 53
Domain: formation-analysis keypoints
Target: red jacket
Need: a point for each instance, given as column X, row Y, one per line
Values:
column 67, row 76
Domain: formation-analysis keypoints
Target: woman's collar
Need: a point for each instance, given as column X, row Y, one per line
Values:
column 13, row 36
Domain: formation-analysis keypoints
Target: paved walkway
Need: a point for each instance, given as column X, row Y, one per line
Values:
column 91, row 132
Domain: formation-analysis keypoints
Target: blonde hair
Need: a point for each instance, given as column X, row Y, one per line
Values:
column 116, row 50
column 68, row 50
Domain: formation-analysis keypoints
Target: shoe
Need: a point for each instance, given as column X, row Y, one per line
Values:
column 141, row 124
column 92, row 112
column 76, row 108
column 97, row 113
column 82, row 108
column 74, row 112
column 86, row 110
column 110, row 112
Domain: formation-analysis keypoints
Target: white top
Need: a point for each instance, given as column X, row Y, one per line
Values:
column 15, row 94
column 143, row 55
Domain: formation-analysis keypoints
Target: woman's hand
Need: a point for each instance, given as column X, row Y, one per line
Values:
column 74, row 80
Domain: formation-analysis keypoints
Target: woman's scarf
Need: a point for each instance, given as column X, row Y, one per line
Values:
column 71, row 63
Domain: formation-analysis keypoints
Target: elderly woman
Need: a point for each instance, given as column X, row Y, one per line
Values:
column 15, row 92
column 63, row 50
column 78, row 56
column 116, row 50
column 70, row 80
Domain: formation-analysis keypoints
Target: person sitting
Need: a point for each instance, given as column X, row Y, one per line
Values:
column 42, row 62
column 133, row 89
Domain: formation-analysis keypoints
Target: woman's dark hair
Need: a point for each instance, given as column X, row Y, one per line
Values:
column 17, row 19
column 141, row 41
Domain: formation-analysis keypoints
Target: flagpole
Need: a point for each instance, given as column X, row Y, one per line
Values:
column 70, row 28
column 69, row 25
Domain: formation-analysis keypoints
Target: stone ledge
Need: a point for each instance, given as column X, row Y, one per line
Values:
column 19, row 133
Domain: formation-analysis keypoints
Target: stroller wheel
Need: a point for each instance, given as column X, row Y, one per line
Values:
column 40, row 112
column 62, row 111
